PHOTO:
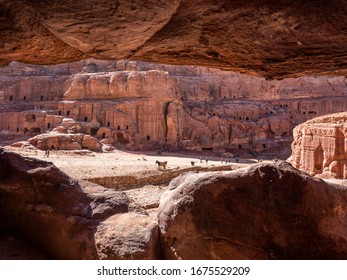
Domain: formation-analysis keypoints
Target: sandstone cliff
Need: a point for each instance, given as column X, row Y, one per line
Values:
column 150, row 106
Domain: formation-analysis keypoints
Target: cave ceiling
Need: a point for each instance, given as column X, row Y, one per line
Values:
column 269, row 38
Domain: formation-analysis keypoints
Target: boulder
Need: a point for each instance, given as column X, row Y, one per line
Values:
column 91, row 143
column 265, row 211
column 70, row 219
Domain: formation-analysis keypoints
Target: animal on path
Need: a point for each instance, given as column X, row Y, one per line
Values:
column 161, row 164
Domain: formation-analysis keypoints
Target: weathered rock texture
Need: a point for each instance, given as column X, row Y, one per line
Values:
column 320, row 146
column 147, row 106
column 261, row 212
column 271, row 38
column 71, row 219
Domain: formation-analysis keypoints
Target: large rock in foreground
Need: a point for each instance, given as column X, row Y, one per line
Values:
column 320, row 146
column 261, row 212
column 71, row 219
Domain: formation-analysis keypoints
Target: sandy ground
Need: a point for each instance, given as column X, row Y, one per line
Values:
column 85, row 164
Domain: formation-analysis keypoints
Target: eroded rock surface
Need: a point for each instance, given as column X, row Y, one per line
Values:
column 147, row 106
column 320, row 146
column 271, row 38
column 70, row 219
column 266, row 211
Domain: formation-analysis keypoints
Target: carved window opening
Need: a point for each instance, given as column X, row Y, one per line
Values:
column 103, row 135
column 85, row 119
column 68, row 113
column 49, row 125
column 108, row 124
column 41, row 98
column 148, row 137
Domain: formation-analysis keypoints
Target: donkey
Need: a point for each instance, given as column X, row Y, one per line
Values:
column 161, row 164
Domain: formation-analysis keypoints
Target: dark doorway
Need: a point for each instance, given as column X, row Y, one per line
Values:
column 94, row 131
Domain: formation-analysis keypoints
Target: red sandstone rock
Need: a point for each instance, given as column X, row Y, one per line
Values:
column 260, row 212
column 147, row 106
column 319, row 146
column 70, row 219
column 273, row 38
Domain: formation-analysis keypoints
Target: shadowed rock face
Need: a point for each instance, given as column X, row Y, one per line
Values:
column 261, row 212
column 71, row 219
column 270, row 38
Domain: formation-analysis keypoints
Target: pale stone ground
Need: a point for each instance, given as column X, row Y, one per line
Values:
column 86, row 164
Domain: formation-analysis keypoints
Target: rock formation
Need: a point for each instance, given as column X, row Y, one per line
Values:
column 270, row 38
column 66, row 136
column 262, row 212
column 148, row 106
column 320, row 146
column 70, row 219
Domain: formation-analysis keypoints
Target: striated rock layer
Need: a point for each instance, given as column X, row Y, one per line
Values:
column 147, row 106
column 71, row 219
column 261, row 212
column 320, row 146
column 269, row 38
